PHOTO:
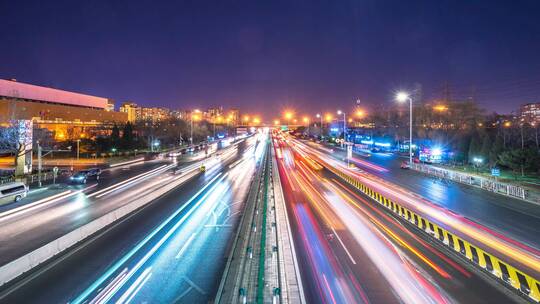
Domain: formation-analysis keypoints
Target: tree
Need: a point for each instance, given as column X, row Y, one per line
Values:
column 115, row 135
column 127, row 136
column 486, row 146
column 474, row 148
column 520, row 160
column 496, row 149
column 14, row 139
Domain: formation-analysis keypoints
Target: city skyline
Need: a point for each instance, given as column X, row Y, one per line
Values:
column 325, row 59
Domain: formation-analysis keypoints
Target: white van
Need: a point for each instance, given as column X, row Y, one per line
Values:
column 12, row 192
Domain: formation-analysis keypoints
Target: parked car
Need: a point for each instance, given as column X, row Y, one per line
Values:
column 83, row 176
column 12, row 192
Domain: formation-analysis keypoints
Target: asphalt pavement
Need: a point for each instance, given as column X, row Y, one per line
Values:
column 172, row 250
column 515, row 218
column 353, row 251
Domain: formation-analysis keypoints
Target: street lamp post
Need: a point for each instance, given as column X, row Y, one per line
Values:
column 402, row 97
column 78, row 141
column 339, row 112
column 191, row 131
column 321, row 117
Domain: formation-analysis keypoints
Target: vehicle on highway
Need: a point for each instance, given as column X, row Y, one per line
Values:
column 83, row 176
column 404, row 165
column 12, row 192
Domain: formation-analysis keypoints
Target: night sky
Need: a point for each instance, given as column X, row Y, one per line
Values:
column 265, row 56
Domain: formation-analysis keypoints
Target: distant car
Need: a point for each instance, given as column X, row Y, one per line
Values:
column 83, row 176
column 404, row 165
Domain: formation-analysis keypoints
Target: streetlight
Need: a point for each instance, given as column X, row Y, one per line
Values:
column 403, row 97
column 256, row 121
column 306, row 121
column 191, row 125
column 339, row 112
column 78, row 141
column 218, row 118
column 288, row 116
column 477, row 161
column 321, row 117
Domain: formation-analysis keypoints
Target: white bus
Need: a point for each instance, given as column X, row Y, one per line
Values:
column 12, row 192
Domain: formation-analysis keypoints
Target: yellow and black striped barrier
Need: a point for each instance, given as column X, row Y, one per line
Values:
column 502, row 270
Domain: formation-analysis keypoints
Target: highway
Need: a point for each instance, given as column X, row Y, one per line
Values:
column 172, row 250
column 352, row 251
column 516, row 219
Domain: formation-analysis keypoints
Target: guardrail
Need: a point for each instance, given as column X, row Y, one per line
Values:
column 510, row 275
column 480, row 182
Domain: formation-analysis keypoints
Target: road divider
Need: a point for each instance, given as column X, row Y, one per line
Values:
column 129, row 162
column 511, row 276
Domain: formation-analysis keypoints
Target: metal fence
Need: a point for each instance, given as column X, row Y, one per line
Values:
column 45, row 176
column 481, row 182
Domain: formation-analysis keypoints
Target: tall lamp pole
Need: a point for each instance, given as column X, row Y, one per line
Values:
column 403, row 97
column 339, row 112
column 320, row 116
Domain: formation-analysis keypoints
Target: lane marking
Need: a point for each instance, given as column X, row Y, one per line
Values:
column 186, row 245
column 342, row 244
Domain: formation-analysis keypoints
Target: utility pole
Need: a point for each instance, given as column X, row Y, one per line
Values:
column 78, row 141
column 39, row 164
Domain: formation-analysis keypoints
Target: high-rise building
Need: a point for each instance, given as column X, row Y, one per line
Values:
column 530, row 113
column 132, row 110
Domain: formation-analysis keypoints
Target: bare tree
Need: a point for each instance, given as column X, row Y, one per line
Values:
column 14, row 139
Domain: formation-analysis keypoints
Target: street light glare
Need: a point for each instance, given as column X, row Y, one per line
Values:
column 339, row 112
column 288, row 115
column 402, row 96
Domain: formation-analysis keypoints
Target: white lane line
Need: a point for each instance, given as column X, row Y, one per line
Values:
column 41, row 204
column 346, row 250
column 135, row 287
column 127, row 180
column 192, row 284
column 186, row 245
column 8, row 212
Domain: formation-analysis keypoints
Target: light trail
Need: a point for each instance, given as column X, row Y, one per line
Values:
column 85, row 294
column 502, row 246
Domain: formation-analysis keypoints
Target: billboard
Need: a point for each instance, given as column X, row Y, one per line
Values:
column 24, row 147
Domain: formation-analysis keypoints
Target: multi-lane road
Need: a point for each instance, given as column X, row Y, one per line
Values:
column 512, row 217
column 156, row 254
column 351, row 251
column 348, row 248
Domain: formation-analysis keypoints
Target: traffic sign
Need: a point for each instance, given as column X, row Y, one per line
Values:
column 495, row 172
column 55, row 170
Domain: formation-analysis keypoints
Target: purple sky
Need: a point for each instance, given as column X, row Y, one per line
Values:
column 264, row 56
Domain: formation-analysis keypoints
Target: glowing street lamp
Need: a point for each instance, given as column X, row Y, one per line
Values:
column 403, row 97
column 256, row 121
column 328, row 117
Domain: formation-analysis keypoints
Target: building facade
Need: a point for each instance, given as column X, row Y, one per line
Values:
column 68, row 115
column 530, row 113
